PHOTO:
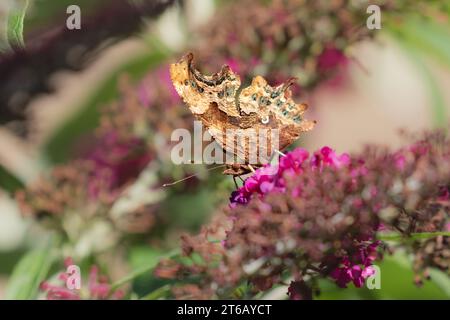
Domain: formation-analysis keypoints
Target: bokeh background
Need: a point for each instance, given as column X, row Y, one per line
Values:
column 86, row 117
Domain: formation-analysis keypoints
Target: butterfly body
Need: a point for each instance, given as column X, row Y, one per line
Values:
column 223, row 107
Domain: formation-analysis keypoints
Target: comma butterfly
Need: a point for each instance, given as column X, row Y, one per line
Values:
column 222, row 105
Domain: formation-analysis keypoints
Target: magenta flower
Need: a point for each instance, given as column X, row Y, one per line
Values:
column 318, row 217
column 234, row 64
column 349, row 269
column 330, row 59
column 264, row 180
column 115, row 162
column 327, row 157
column 357, row 268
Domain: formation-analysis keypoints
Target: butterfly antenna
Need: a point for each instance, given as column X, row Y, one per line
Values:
column 235, row 183
column 191, row 176
column 360, row 65
column 280, row 153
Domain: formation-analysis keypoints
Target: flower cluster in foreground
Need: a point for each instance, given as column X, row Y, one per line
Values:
column 319, row 216
column 130, row 136
column 96, row 288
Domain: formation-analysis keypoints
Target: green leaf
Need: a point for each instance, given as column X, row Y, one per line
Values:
column 441, row 280
column 143, row 256
column 8, row 181
column 14, row 29
column 146, row 285
column 437, row 100
column 145, row 269
column 430, row 37
column 423, row 38
column 29, row 272
column 397, row 280
column 161, row 292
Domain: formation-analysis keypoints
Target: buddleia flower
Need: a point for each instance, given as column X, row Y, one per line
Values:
column 323, row 216
column 307, row 39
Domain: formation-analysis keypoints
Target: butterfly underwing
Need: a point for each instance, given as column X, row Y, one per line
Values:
column 223, row 106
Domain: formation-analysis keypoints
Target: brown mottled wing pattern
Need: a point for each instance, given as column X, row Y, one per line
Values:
column 217, row 102
column 199, row 91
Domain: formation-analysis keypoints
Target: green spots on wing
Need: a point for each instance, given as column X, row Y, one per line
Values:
column 297, row 119
column 229, row 91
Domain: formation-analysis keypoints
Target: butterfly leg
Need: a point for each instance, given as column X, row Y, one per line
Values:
column 280, row 153
column 235, row 182
column 276, row 151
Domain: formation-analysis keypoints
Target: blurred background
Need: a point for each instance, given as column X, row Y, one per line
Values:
column 86, row 116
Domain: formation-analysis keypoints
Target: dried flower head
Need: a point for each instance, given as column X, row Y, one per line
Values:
column 319, row 216
column 133, row 136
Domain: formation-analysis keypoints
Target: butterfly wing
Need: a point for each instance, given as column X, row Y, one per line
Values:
column 250, row 124
column 276, row 110
column 200, row 92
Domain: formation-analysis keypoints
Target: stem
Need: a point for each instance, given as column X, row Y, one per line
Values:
column 157, row 293
column 139, row 272
column 412, row 236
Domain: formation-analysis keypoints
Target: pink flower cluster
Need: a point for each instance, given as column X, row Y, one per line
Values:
column 269, row 178
column 316, row 216
column 98, row 287
column 354, row 269
column 357, row 268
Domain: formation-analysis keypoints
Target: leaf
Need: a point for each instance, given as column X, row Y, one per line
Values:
column 15, row 25
column 144, row 256
column 29, row 272
column 153, row 259
column 397, row 280
column 437, row 99
column 189, row 210
column 430, row 37
column 441, row 279
column 423, row 38
column 161, row 292
column 8, row 181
